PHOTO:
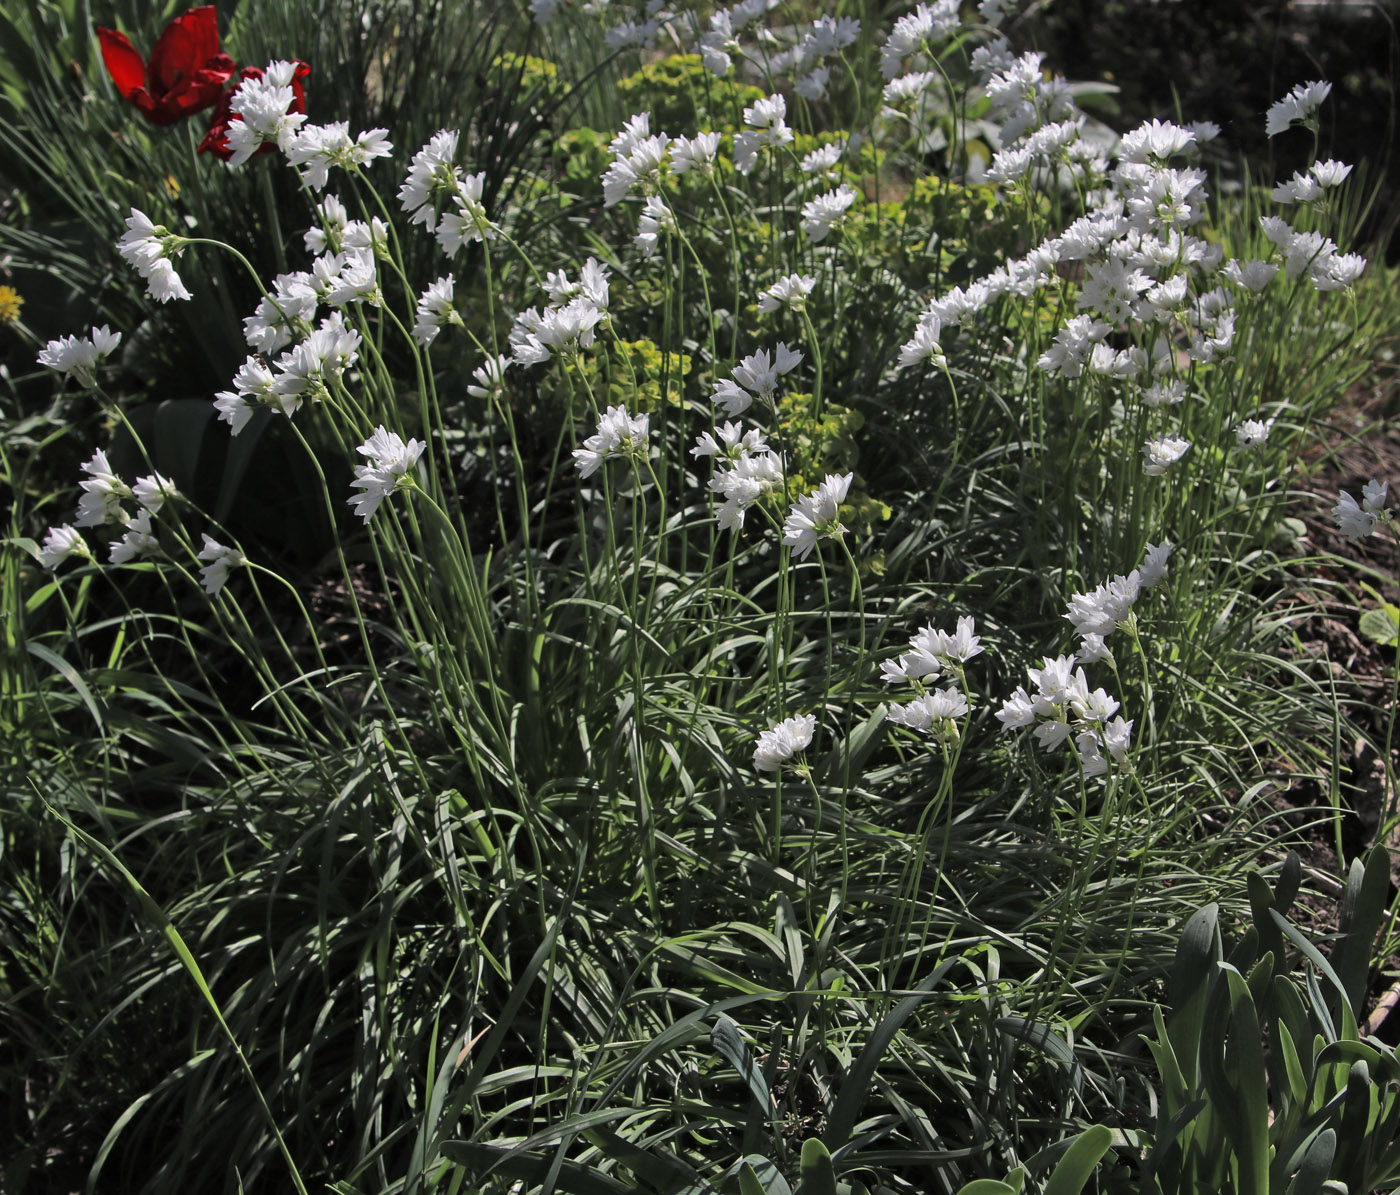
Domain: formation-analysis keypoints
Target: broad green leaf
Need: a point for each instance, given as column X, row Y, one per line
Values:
column 818, row 1176
column 1079, row 1161
column 1381, row 626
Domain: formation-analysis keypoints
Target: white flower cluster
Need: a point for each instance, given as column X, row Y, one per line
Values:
column 149, row 247
column 1101, row 611
column 656, row 219
column 1357, row 521
column 933, row 654
column 1310, row 187
column 1064, row 706
column 262, row 108
column 803, row 60
column 569, row 323
column 637, row 158
column 767, row 127
column 1313, row 255
column 438, row 196
column 619, row 435
column 756, row 376
column 221, row 561
column 304, row 373
column 101, row 505
column 315, row 148
column 1299, row 106
column 790, row 291
column 827, row 212
column 391, row 462
column 780, row 743
column 80, row 355
column 745, row 469
column 816, row 515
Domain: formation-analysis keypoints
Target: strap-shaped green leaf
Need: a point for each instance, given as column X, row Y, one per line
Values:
column 1363, row 906
column 818, row 1174
column 1317, row 1162
column 1079, row 1161
column 726, row 1038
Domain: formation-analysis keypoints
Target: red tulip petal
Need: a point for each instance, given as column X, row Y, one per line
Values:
column 201, row 25
column 124, row 63
column 173, row 59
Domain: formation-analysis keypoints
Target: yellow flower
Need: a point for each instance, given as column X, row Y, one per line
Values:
column 10, row 303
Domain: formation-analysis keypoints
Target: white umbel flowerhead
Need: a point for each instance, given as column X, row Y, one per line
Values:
column 619, row 435
column 80, row 355
column 780, row 743
column 1358, row 520
column 390, row 467
column 435, row 311
column 932, row 713
column 790, row 292
column 316, row 148
column 1253, row 433
column 149, row 247
column 103, row 492
column 1299, row 106
column 60, row 544
column 263, row 104
column 1154, row 565
column 139, row 540
column 815, row 516
column 825, row 212
column 431, row 175
column 222, row 560
column 1163, row 453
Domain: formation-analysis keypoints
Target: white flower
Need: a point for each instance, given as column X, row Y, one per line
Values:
column 656, row 218
column 431, row 175
column 1358, row 521
column 222, row 560
column 316, row 148
column 931, row 712
column 262, row 104
column 61, row 543
column 1101, row 610
column 1162, row 453
column 744, row 482
column 139, row 540
column 1252, row 275
column 694, row 153
column 619, row 435
column 812, row 86
column 1253, row 433
column 815, row 516
column 1329, row 173
column 469, row 222
column 924, row 346
column 791, row 292
column 1154, row 564
column 825, row 212
column 149, row 247
column 390, row 462
column 1338, row 271
column 1154, row 139
column 80, row 355
column 151, row 492
column 1300, row 104
column 1074, row 344
column 490, row 377
column 823, row 158
column 780, row 743
column 435, row 311
column 103, row 492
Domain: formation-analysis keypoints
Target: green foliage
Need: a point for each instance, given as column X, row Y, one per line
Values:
column 680, row 93
column 1266, row 1081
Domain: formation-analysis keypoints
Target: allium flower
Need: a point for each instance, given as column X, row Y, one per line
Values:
column 316, row 148
column 435, row 311
column 1299, row 105
column 60, row 544
column 1154, row 564
column 151, row 492
column 932, row 712
column 222, row 560
column 267, row 107
column 139, row 540
column 1101, row 610
column 390, row 467
column 490, row 377
column 1253, row 433
column 431, row 175
column 823, row 158
column 103, row 493
column 924, row 346
column 1074, row 344
column 216, row 140
column 1329, row 173
column 1301, row 188
column 253, row 387
column 780, row 743
column 619, row 435
column 932, row 651
column 80, row 355
column 767, row 121
column 637, row 159
column 656, row 218
column 469, row 222
column 815, row 516
column 825, row 212
column 694, row 154
column 1163, row 453
column 1252, row 275
column 1154, row 140
column 913, row 34
column 149, row 247
column 790, row 292
column 747, row 479
column 1358, row 521
column 185, row 75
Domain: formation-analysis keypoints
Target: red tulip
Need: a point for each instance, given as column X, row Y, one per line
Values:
column 216, row 139
column 186, row 73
